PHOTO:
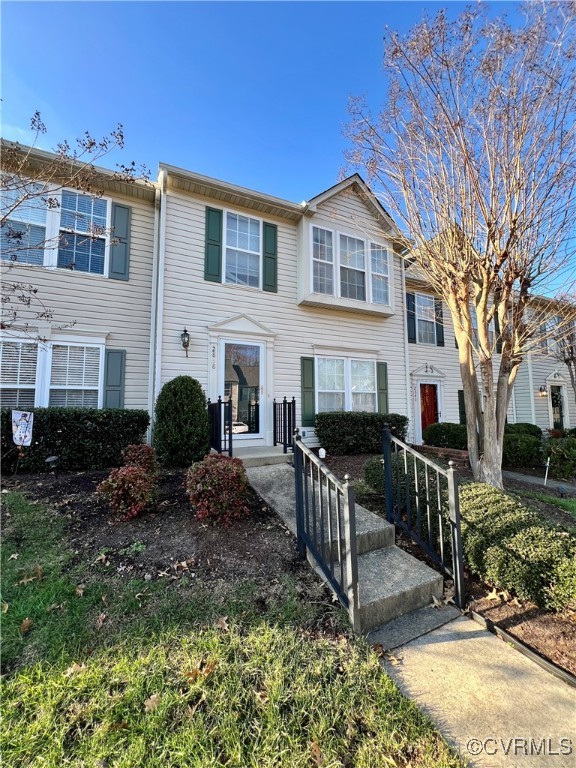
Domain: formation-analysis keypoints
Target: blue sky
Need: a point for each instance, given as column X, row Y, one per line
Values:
column 254, row 93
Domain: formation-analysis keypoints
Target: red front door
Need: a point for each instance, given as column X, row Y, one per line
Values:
column 428, row 404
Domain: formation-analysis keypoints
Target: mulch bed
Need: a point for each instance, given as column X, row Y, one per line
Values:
column 552, row 635
column 168, row 542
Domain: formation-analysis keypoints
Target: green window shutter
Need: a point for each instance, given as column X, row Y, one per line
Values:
column 461, row 407
column 498, row 334
column 114, row 375
column 270, row 277
column 439, row 322
column 411, row 317
column 307, row 382
column 382, row 373
column 120, row 246
column 213, row 246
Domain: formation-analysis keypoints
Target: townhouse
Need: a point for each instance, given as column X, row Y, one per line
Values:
column 271, row 298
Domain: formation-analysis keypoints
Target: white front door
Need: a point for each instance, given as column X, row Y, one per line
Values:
column 243, row 380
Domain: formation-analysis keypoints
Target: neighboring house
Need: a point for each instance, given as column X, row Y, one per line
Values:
column 91, row 260
column 280, row 300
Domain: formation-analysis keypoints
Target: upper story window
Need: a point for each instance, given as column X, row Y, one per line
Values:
column 350, row 267
column 243, row 250
column 425, row 319
column 82, row 232
column 67, row 229
column 23, row 233
column 240, row 250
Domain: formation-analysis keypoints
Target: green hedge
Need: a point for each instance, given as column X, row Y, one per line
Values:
column 353, row 432
column 446, row 435
column 523, row 428
column 562, row 454
column 521, row 450
column 506, row 545
column 82, row 438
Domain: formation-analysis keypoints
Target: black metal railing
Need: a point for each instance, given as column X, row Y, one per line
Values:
column 253, row 417
column 326, row 525
column 284, row 422
column 422, row 499
column 220, row 415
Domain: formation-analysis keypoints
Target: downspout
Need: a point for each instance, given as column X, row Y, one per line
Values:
column 406, row 355
column 163, row 180
column 531, row 388
column 153, row 316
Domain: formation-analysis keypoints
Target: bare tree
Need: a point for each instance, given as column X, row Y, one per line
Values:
column 30, row 183
column 474, row 154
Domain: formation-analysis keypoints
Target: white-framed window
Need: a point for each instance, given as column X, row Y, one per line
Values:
column 345, row 384
column 243, row 250
column 350, row 267
column 425, row 319
column 75, row 376
column 57, row 228
column 55, row 373
column 18, row 362
column 82, row 232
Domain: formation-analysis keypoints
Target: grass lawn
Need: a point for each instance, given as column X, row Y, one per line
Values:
column 104, row 671
column 568, row 505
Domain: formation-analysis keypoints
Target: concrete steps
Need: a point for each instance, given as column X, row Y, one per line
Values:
column 391, row 582
column 262, row 456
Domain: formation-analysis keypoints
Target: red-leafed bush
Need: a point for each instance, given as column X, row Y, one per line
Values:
column 128, row 490
column 143, row 456
column 218, row 489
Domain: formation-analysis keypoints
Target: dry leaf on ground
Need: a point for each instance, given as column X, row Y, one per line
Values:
column 222, row 623
column 26, row 626
column 152, row 702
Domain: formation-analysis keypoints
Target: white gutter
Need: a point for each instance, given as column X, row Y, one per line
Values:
column 162, row 180
column 153, row 315
column 411, row 424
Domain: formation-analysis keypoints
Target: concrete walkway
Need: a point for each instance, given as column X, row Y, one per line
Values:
column 495, row 706
column 551, row 485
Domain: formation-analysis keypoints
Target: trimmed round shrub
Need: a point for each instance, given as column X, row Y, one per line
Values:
column 128, row 491
column 446, row 435
column 181, row 428
column 521, row 450
column 488, row 516
column 528, row 562
column 523, row 428
column 562, row 454
column 345, row 433
column 218, row 489
column 143, row 456
column 374, row 473
column 562, row 591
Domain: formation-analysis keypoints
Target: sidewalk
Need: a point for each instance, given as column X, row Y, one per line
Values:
column 495, row 706
column 551, row 485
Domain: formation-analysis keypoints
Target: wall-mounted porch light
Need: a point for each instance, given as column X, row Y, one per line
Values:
column 185, row 339
column 543, row 392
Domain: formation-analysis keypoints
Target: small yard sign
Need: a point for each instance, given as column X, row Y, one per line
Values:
column 22, row 422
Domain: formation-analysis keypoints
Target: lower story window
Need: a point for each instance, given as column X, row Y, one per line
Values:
column 50, row 374
column 75, row 376
column 18, row 365
column 345, row 384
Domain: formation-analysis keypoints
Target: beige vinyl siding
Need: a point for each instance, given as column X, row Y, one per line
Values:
column 97, row 304
column 191, row 301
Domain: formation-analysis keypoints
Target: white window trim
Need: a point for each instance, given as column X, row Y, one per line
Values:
column 336, row 264
column 347, row 358
column 52, row 241
column 44, row 363
column 225, row 212
column 425, row 319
